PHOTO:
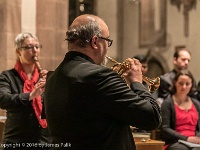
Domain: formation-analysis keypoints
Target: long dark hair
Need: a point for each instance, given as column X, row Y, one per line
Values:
column 187, row 73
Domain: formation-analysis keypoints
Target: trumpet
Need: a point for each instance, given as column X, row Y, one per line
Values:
column 120, row 68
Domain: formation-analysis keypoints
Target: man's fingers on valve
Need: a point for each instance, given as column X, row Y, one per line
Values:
column 136, row 61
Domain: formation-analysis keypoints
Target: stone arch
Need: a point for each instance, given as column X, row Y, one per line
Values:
column 157, row 64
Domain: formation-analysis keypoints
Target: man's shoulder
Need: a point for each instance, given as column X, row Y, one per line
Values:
column 168, row 75
column 82, row 69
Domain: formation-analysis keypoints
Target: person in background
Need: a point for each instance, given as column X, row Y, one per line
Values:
column 88, row 106
column 144, row 62
column 20, row 95
column 180, row 114
column 181, row 61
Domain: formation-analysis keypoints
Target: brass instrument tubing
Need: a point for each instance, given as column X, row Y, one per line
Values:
column 153, row 84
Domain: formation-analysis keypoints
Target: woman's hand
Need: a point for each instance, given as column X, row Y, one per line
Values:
column 43, row 74
column 38, row 88
column 194, row 139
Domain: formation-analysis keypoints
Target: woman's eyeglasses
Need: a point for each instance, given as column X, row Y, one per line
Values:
column 31, row 47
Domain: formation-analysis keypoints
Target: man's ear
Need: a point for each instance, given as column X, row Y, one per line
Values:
column 94, row 41
column 174, row 60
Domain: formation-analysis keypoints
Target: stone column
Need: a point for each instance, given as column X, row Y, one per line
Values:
column 52, row 23
column 10, row 26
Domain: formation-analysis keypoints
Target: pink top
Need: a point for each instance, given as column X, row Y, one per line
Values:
column 186, row 121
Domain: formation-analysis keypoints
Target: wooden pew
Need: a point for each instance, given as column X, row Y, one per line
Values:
column 149, row 144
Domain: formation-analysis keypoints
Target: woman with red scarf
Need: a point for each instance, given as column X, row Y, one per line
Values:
column 181, row 115
column 21, row 90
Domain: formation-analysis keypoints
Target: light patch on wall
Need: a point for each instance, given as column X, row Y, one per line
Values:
column 28, row 20
column 157, row 14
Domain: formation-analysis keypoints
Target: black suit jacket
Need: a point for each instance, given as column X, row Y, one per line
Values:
column 90, row 106
column 166, row 82
column 21, row 124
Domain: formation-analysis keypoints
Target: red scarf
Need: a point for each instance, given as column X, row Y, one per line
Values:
column 28, row 87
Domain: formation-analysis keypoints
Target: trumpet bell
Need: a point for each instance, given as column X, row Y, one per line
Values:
column 120, row 68
column 153, row 84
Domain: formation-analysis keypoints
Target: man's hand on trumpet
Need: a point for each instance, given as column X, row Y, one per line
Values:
column 134, row 73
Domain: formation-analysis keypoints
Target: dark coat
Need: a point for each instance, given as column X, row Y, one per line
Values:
column 168, row 133
column 90, row 106
column 166, row 82
column 21, row 124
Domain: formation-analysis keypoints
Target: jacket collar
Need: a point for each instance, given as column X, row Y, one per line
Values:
column 77, row 55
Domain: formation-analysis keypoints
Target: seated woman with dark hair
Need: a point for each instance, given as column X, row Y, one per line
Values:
column 180, row 114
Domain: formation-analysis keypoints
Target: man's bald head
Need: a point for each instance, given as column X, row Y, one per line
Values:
column 82, row 20
column 83, row 28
